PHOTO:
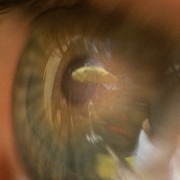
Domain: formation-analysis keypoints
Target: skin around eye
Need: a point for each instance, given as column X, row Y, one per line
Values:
column 12, row 39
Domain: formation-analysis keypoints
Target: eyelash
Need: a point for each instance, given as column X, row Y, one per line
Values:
column 59, row 133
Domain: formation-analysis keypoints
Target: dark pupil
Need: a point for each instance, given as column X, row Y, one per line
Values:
column 74, row 91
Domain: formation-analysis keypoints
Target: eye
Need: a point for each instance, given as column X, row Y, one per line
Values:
column 67, row 125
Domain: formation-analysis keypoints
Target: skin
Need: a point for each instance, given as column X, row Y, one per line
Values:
column 14, row 27
column 13, row 30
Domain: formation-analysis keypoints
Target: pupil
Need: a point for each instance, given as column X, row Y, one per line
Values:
column 74, row 91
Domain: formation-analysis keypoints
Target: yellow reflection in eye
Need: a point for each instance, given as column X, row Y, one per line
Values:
column 94, row 74
column 130, row 160
column 105, row 166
